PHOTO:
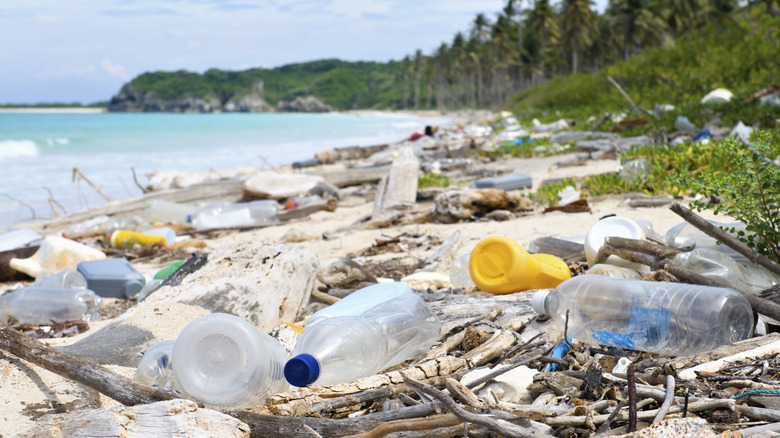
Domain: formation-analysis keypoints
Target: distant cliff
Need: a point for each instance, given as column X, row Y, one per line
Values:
column 318, row 86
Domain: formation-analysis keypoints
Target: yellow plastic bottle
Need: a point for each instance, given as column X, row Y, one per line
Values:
column 499, row 265
column 123, row 239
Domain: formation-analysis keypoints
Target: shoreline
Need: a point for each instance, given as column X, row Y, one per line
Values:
column 44, row 110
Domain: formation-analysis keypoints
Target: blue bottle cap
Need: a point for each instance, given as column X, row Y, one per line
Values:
column 302, row 370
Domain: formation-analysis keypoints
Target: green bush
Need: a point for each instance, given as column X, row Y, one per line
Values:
column 748, row 192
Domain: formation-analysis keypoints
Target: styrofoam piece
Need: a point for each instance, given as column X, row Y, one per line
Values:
column 55, row 254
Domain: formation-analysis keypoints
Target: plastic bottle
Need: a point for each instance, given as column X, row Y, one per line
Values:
column 459, row 272
column 149, row 287
column 42, row 305
column 659, row 317
column 236, row 215
column 361, row 300
column 717, row 265
column 224, row 360
column 302, row 201
column 65, row 279
column 613, row 271
column 686, row 235
column 499, row 265
column 124, row 239
column 156, row 370
column 345, row 348
column 166, row 272
column 167, row 233
column 614, row 226
column 158, row 210
column 96, row 225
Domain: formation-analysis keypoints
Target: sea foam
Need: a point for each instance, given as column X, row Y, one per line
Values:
column 17, row 148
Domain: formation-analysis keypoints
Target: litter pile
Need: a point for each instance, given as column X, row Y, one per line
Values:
column 275, row 304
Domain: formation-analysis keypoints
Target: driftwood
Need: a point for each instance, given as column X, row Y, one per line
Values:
column 354, row 176
column 727, row 239
column 224, row 191
column 634, row 106
column 7, row 273
column 82, row 371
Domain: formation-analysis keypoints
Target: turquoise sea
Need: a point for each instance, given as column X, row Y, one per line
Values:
column 38, row 151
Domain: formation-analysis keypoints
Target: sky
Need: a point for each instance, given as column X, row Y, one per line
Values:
column 85, row 50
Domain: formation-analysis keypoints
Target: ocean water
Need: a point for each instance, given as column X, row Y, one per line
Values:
column 38, row 151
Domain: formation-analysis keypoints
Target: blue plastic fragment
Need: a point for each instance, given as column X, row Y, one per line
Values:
column 558, row 353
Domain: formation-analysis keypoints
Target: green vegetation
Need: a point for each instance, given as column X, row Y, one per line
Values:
column 432, row 179
column 748, row 174
column 343, row 85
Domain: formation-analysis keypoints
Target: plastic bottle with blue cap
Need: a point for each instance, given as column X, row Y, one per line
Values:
column 361, row 335
column 658, row 317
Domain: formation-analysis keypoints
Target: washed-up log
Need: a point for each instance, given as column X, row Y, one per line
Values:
column 727, row 239
column 223, row 191
column 95, row 376
column 7, row 273
column 353, row 176
column 557, row 247
column 457, row 205
column 348, row 153
column 680, row 363
column 166, row 418
column 299, row 212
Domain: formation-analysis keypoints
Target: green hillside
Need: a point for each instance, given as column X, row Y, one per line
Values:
column 341, row 84
column 742, row 56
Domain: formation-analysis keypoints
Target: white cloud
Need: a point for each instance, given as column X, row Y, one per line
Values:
column 116, row 70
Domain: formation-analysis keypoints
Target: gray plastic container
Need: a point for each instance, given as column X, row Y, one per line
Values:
column 112, row 278
column 510, row 182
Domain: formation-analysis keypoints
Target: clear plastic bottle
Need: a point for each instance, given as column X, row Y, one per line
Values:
column 65, row 279
column 158, row 210
column 345, row 348
column 459, row 272
column 224, row 360
column 659, row 317
column 717, row 265
column 613, row 271
column 236, row 215
column 156, row 369
column 361, row 300
column 41, row 305
column 685, row 234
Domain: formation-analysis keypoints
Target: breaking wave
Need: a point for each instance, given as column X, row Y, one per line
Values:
column 18, row 148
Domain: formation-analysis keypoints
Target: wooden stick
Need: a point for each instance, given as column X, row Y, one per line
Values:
column 727, row 239
column 503, row 428
column 667, row 401
column 631, row 399
column 135, row 180
column 113, row 385
column 77, row 171
column 634, row 106
column 416, row 424
column 325, row 298
column 645, row 246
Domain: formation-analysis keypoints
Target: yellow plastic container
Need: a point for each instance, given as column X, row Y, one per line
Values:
column 499, row 265
column 123, row 239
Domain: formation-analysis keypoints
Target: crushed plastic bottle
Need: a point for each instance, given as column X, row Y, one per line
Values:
column 223, row 215
column 685, row 235
column 224, row 360
column 659, row 317
column 55, row 254
column 348, row 347
column 717, row 265
column 44, row 305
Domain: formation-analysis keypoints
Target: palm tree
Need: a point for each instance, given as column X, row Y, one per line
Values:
column 419, row 66
column 638, row 21
column 683, row 15
column 579, row 27
column 542, row 21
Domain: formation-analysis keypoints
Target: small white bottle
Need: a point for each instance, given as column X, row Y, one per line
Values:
column 344, row 348
column 41, row 305
column 156, row 369
column 659, row 317
column 224, row 360
column 242, row 214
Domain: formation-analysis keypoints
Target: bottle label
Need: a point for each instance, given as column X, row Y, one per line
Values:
column 646, row 330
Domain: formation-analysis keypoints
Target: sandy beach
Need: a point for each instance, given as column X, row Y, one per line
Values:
column 32, row 392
